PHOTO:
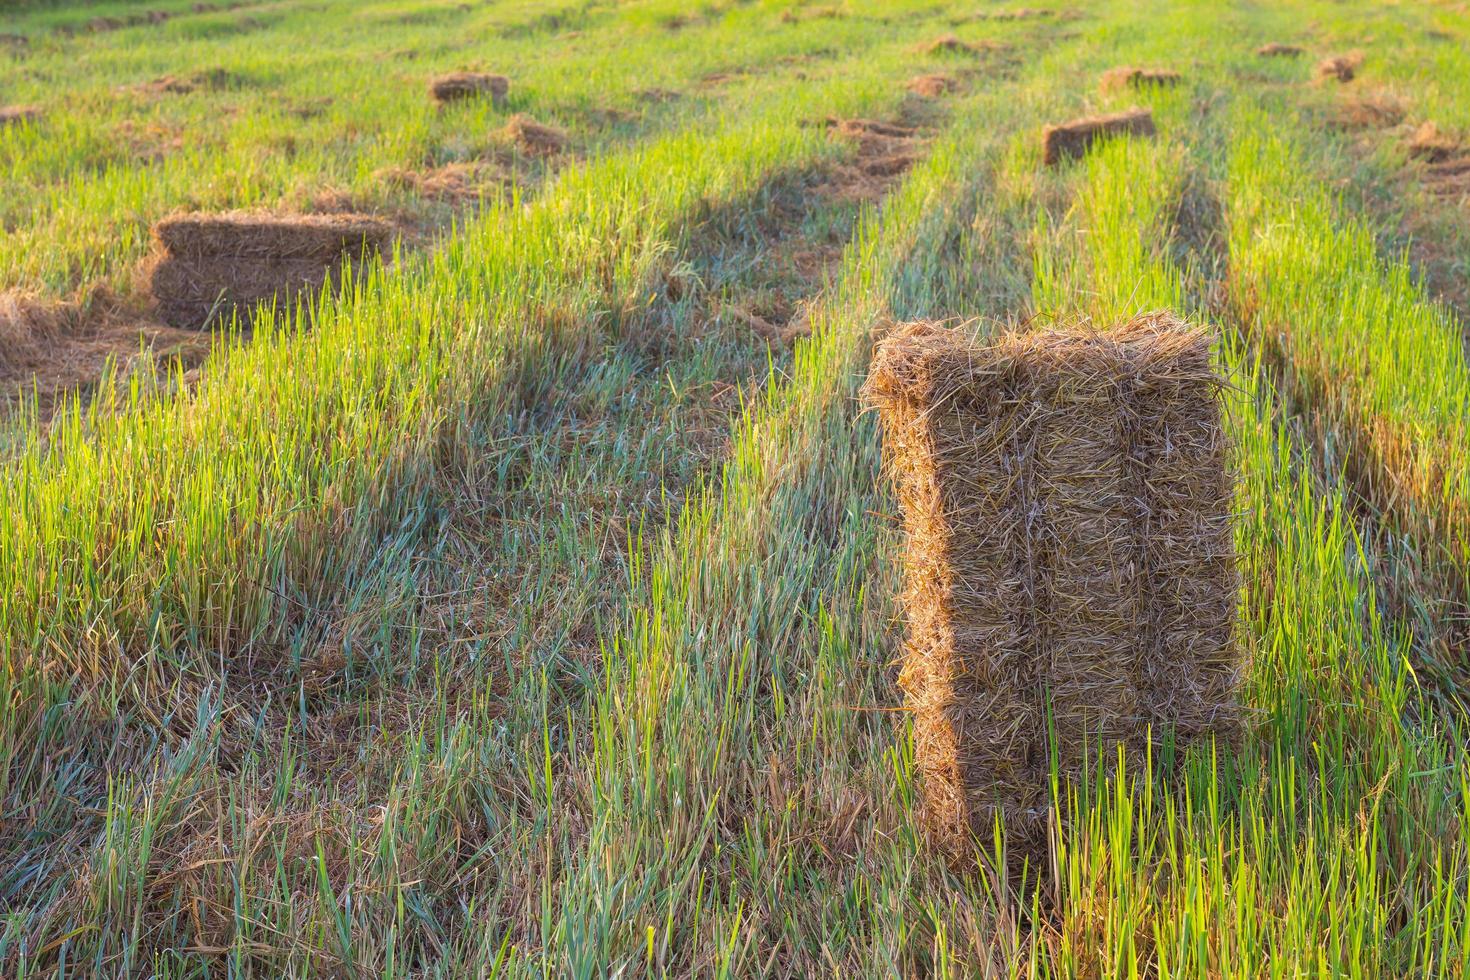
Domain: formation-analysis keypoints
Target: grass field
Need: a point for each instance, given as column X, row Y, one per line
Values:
column 530, row 608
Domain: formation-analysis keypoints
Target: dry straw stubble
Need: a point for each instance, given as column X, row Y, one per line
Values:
column 1068, row 567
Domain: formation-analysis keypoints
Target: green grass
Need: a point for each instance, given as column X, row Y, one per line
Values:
column 530, row 614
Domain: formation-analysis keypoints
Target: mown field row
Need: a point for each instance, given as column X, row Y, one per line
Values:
column 534, row 611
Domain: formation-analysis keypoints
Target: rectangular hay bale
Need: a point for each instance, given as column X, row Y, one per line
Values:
column 1128, row 76
column 206, row 266
column 1072, row 139
column 460, row 85
column 1068, row 554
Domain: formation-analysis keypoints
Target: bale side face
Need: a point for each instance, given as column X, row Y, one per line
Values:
column 1072, row 139
column 207, row 266
column 1068, row 554
column 1186, row 544
column 247, row 235
column 971, row 660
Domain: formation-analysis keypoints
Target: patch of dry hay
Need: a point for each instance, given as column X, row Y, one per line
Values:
column 28, row 326
column 51, row 349
column 458, row 183
column 885, row 151
column 533, row 137
column 1376, row 111
column 1072, row 139
column 1128, row 76
column 1432, row 146
column 461, row 85
column 1446, row 160
column 206, row 265
column 1343, row 68
column 1069, row 552
column 1275, row 50
column 933, row 86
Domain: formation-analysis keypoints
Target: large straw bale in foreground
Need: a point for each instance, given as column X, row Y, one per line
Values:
column 206, row 265
column 1068, row 550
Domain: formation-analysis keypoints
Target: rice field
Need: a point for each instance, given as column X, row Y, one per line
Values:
column 530, row 603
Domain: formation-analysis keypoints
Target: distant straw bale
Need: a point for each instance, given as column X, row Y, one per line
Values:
column 16, row 114
column 1020, row 13
column 207, row 265
column 1069, row 550
column 948, row 44
column 1128, row 76
column 213, row 79
column 1072, row 139
column 462, row 85
column 533, row 137
column 1432, row 146
column 1275, row 50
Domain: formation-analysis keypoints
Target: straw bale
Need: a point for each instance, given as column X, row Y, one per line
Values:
column 1129, row 76
column 206, row 265
column 1068, row 557
column 1072, row 139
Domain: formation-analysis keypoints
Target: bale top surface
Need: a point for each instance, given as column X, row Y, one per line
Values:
column 249, row 234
